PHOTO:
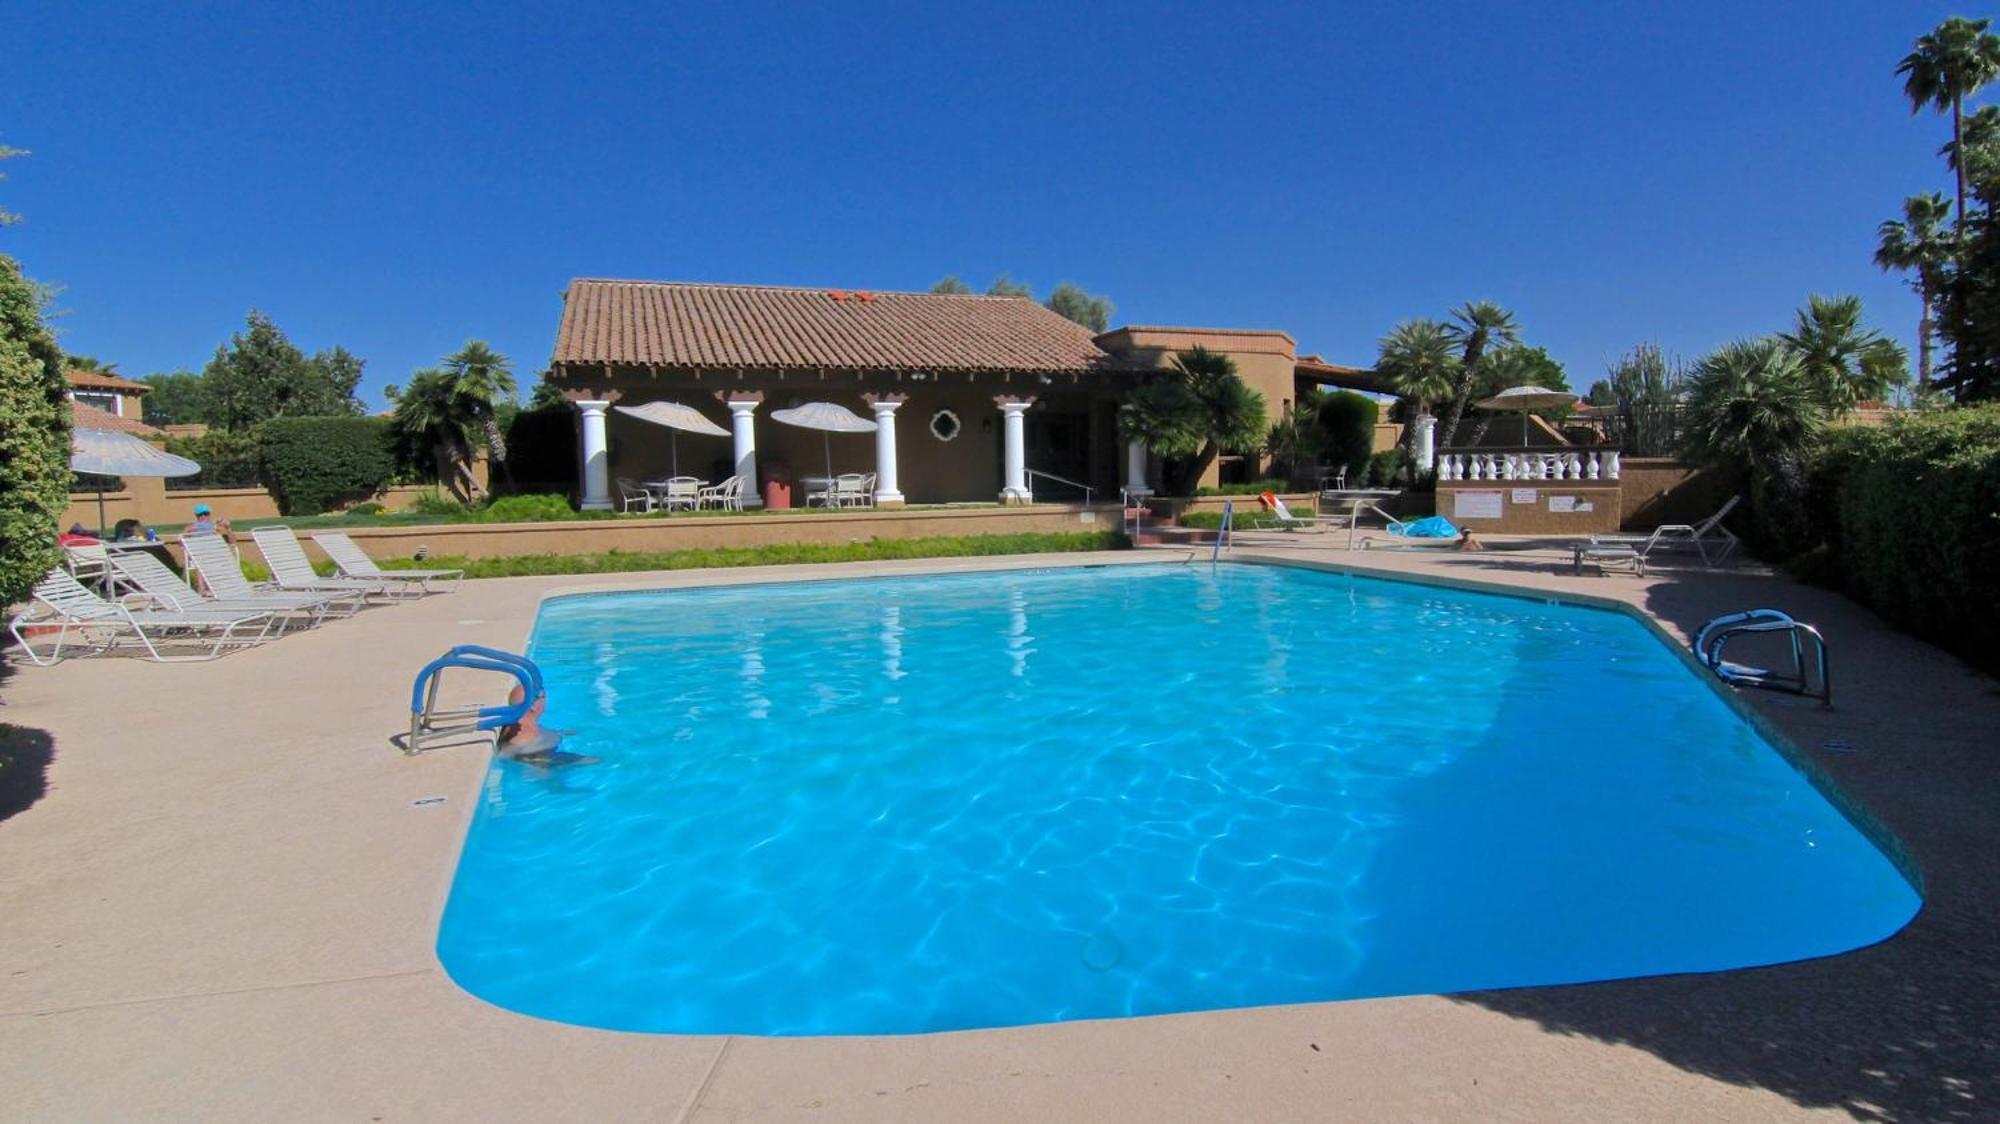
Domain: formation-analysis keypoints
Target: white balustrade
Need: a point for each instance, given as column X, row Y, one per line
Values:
column 1533, row 464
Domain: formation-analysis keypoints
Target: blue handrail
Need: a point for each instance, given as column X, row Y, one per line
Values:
column 478, row 658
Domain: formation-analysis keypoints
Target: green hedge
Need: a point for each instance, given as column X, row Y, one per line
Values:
column 227, row 460
column 313, row 464
column 1347, row 422
column 541, row 450
column 34, row 437
column 1918, row 524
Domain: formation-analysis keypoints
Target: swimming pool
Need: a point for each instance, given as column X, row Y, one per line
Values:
column 922, row 804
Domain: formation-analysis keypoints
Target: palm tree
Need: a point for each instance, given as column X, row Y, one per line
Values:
column 432, row 411
column 1420, row 363
column 1921, row 245
column 1981, row 137
column 1945, row 67
column 1753, row 407
column 1845, row 362
column 484, row 378
column 1480, row 325
column 1197, row 408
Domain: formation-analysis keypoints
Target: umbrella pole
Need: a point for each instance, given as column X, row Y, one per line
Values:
column 1524, row 429
column 100, row 511
column 827, row 440
column 674, row 443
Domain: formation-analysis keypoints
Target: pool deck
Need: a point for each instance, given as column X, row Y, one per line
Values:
column 223, row 907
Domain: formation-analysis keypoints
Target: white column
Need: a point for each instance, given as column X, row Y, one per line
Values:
column 887, row 494
column 1014, row 487
column 596, row 448
column 743, row 429
column 1135, row 470
column 1426, row 442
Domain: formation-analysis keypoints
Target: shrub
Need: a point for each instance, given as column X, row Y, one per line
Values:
column 1347, row 425
column 1384, row 467
column 369, row 508
column 313, row 464
column 527, row 509
column 227, row 460
column 1920, row 526
column 436, row 502
column 34, row 437
column 1246, row 488
column 541, row 450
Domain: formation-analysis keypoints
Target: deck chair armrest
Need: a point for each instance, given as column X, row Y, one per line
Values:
column 140, row 600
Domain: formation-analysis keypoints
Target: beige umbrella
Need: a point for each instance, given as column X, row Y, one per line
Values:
column 676, row 417
column 1527, row 399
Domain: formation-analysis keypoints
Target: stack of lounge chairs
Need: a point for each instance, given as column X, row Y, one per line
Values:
column 164, row 617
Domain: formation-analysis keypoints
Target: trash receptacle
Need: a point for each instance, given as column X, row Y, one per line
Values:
column 777, row 495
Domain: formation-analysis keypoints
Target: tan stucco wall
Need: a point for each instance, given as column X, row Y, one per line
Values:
column 1663, row 490
column 1265, row 360
column 149, row 501
column 1536, row 518
column 512, row 540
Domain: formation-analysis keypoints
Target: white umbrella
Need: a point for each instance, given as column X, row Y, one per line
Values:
column 1527, row 399
column 107, row 452
column 828, row 419
column 678, row 418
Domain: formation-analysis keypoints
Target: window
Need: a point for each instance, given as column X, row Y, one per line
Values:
column 102, row 399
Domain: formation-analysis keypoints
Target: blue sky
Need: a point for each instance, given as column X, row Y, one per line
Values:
column 397, row 178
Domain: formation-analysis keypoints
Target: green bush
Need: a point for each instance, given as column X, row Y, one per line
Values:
column 436, row 502
column 1247, row 488
column 541, row 450
column 227, row 460
column 1919, row 526
column 369, row 508
column 1384, row 468
column 34, row 437
column 313, row 464
column 527, row 509
column 1347, row 424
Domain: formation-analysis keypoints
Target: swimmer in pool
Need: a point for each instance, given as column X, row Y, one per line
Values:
column 528, row 742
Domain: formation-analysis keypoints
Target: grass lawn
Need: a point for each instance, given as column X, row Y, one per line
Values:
column 774, row 554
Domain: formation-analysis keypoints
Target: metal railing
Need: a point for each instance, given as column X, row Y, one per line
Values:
column 1034, row 472
column 1716, row 634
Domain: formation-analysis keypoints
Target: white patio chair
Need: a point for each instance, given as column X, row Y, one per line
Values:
column 354, row 562
column 678, row 493
column 1709, row 537
column 850, row 489
column 169, row 590
column 631, row 492
column 727, row 496
column 293, row 570
column 62, row 603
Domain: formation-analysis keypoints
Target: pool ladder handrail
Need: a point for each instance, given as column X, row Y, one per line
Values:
column 1222, row 530
column 1714, row 636
column 427, row 722
column 1132, row 515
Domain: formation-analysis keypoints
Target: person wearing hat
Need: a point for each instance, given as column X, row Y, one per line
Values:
column 205, row 522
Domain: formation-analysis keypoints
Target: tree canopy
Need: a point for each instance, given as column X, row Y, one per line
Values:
column 177, row 398
column 1071, row 302
column 259, row 375
column 950, row 285
column 1197, row 408
column 34, row 436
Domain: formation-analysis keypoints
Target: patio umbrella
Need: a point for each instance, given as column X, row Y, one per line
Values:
column 829, row 419
column 107, row 452
column 1527, row 399
column 675, row 417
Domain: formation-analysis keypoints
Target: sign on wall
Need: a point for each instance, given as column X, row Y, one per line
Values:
column 1476, row 505
column 1524, row 495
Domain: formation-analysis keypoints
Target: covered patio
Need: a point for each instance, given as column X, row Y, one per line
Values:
column 972, row 399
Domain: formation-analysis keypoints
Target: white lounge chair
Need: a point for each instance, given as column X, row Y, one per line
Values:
column 728, row 495
column 355, row 563
column 291, row 569
column 62, row 603
column 631, row 492
column 1276, row 514
column 168, row 590
column 222, row 574
column 1709, row 537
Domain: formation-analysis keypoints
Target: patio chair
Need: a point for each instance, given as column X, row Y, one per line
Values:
column 90, row 564
column 169, row 590
column 1277, row 515
column 1709, row 537
column 728, row 495
column 850, row 489
column 62, row 603
column 631, row 492
column 221, row 573
column 678, row 493
column 355, row 563
column 293, row 570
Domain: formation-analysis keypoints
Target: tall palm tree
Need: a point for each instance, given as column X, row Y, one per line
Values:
column 432, row 412
column 1845, row 361
column 1419, row 361
column 483, row 379
column 1946, row 66
column 1479, row 326
column 1197, row 408
column 1921, row 245
column 1752, row 406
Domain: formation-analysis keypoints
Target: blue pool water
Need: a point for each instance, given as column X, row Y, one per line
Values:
column 980, row 800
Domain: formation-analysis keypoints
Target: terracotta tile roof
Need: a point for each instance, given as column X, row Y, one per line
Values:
column 86, row 416
column 98, row 380
column 679, row 324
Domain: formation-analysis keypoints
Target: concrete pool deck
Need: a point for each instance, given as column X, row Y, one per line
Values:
column 224, row 907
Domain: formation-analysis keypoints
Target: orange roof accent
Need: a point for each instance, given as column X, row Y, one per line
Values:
column 83, row 415
column 98, row 380
column 707, row 326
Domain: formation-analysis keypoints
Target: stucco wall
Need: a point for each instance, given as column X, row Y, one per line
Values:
column 511, row 540
column 1663, row 490
column 1536, row 517
column 149, row 501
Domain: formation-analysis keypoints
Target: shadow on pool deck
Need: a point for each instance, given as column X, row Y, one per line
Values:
column 1905, row 1030
column 25, row 755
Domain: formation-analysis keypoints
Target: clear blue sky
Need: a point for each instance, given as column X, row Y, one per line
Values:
column 397, row 178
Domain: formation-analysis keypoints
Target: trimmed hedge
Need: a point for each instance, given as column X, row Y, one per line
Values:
column 1347, row 422
column 541, row 450
column 313, row 464
column 34, row 437
column 1918, row 524
column 227, row 460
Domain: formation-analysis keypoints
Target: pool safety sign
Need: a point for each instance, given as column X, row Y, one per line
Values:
column 1476, row 505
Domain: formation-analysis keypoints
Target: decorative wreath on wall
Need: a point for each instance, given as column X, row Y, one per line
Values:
column 945, row 425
